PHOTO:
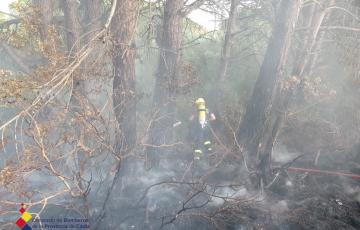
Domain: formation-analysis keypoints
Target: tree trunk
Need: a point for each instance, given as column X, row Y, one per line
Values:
column 272, row 70
column 93, row 16
column 91, row 26
column 283, row 96
column 289, row 88
column 77, row 98
column 218, row 91
column 72, row 25
column 123, row 32
column 169, row 63
column 228, row 42
column 318, row 38
column 166, row 85
column 45, row 8
column 309, row 42
column 124, row 94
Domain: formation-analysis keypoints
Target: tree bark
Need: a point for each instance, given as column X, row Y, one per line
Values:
column 228, row 41
column 272, row 70
column 169, row 62
column 72, row 25
column 309, row 42
column 93, row 15
column 288, row 88
column 317, row 38
column 91, row 26
column 45, row 8
column 73, row 44
column 77, row 98
column 166, row 85
column 218, row 90
column 124, row 94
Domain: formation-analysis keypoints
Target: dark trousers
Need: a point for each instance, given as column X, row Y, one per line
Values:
column 202, row 139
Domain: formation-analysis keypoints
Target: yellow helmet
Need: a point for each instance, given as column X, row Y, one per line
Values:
column 200, row 101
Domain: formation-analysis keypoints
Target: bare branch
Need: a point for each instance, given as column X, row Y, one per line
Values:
column 193, row 6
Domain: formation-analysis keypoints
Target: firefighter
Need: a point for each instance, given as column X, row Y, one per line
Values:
column 200, row 128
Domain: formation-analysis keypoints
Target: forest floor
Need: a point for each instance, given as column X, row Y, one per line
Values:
column 310, row 202
column 299, row 201
column 295, row 201
column 171, row 195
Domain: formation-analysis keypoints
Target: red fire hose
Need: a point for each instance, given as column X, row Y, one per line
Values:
column 333, row 173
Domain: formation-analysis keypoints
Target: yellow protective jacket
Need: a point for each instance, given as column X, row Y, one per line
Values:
column 202, row 113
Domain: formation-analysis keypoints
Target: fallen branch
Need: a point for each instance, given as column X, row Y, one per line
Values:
column 325, row 172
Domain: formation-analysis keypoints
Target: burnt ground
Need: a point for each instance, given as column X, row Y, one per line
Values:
column 301, row 201
column 179, row 195
column 312, row 202
column 295, row 201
